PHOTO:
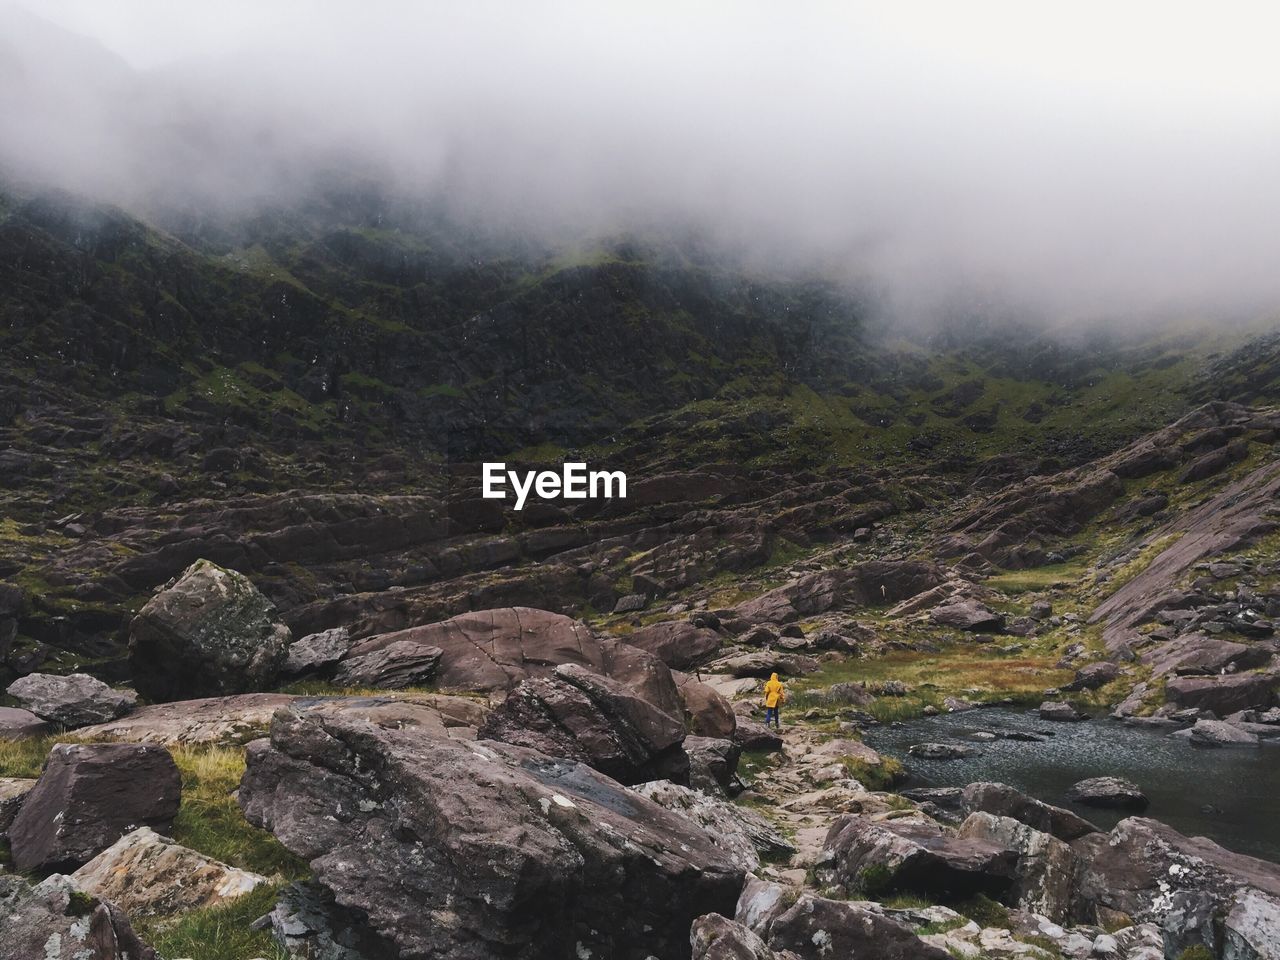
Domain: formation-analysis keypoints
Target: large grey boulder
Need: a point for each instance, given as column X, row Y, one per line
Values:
column 709, row 714
column 713, row 763
column 87, row 797
column 1045, row 873
column 1251, row 930
column 317, row 654
column 714, row 937
column 965, row 613
column 1002, row 800
column 1225, row 694
column 404, row 663
column 677, row 643
column 1142, row 866
column 1219, row 733
column 742, row 833
column 811, row 926
column 579, row 715
column 916, row 856
column 478, row 849
column 76, row 700
column 208, row 633
column 54, row 921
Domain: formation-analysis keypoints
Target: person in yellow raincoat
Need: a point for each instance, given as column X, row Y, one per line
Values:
column 774, row 696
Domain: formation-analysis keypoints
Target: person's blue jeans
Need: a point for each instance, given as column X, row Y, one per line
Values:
column 771, row 713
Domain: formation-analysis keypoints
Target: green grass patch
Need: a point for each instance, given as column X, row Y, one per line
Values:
column 881, row 776
column 209, row 819
column 1054, row 575
column 218, row 933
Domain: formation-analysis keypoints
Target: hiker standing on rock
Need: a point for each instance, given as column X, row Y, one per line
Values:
column 774, row 696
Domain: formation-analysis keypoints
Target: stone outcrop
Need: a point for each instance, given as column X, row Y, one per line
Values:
column 811, row 926
column 146, row 874
column 317, row 654
column 677, row 643
column 54, row 921
column 208, row 633
column 89, row 796
column 1223, row 695
column 1142, row 866
column 236, row 719
column 966, row 613
column 404, row 663
column 1045, row 875
column 874, row 583
column 915, row 856
column 471, row 849
column 1002, row 800
column 76, row 700
column 579, row 715
column 742, row 834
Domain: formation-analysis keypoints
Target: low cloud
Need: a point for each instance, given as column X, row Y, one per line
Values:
column 1074, row 165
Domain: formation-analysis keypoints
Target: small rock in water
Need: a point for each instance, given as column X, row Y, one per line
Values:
column 1112, row 792
column 1060, row 710
column 941, row 751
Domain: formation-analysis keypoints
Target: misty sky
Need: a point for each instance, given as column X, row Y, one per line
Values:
column 1076, row 158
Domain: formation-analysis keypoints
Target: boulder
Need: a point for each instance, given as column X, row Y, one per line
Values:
column 1061, row 711
column 55, row 921
column 1142, row 867
column 708, row 713
column 226, row 720
column 714, row 937
column 404, row 663
column 13, row 790
column 1223, row 695
column 817, row 927
column 1199, row 653
column 742, row 834
column 1251, row 930
column 493, row 651
column 317, row 654
column 713, row 763
column 478, row 849
column 761, row 664
column 1002, row 800
column 1219, row 733
column 72, row 701
column 579, row 715
column 1094, row 675
column 916, row 856
column 678, row 644
column 965, row 613
column 1112, row 792
column 147, row 875
column 18, row 724
column 873, row 583
column 89, row 796
column 208, row 633
column 644, row 673
column 754, row 736
column 308, row 923
column 1045, row 872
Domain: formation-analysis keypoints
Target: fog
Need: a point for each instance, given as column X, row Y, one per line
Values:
column 1078, row 160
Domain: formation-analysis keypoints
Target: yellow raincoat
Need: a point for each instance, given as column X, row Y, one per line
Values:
column 774, row 694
